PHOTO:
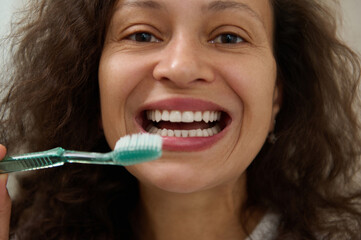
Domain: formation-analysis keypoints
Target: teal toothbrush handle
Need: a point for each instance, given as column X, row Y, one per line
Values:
column 88, row 158
column 53, row 158
column 129, row 150
column 33, row 161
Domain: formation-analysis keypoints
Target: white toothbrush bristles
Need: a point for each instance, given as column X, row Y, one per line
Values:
column 139, row 142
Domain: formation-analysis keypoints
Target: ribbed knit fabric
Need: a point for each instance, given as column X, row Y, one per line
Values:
column 266, row 229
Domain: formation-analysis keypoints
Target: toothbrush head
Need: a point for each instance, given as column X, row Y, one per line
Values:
column 137, row 148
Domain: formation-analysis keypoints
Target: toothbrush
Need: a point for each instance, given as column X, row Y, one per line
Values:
column 128, row 150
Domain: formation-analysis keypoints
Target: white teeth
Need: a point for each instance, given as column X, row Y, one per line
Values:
column 178, row 133
column 170, row 133
column 153, row 115
column 205, row 133
column 198, row 116
column 186, row 116
column 206, row 116
column 164, row 132
column 165, row 116
column 185, row 133
column 213, row 116
column 158, row 116
column 175, row 116
column 192, row 133
column 216, row 129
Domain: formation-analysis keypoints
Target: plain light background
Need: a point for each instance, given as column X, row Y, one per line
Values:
column 350, row 9
column 7, row 7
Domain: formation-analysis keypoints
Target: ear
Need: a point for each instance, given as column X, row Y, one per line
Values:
column 277, row 103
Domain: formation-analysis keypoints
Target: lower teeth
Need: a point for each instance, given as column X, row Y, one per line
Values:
column 184, row 133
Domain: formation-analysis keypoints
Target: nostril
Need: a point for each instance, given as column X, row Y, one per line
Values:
column 183, row 70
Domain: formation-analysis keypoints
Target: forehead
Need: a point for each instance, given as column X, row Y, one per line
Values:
column 259, row 10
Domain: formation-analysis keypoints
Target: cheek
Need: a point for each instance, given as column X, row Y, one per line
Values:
column 253, row 80
column 117, row 79
column 254, row 83
column 118, row 76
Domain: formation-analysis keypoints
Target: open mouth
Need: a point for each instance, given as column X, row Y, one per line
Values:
column 184, row 124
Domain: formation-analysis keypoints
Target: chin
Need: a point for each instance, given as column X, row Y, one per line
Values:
column 172, row 179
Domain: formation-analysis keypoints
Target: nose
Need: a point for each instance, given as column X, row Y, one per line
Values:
column 183, row 62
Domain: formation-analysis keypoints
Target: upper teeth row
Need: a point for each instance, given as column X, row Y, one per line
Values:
column 186, row 116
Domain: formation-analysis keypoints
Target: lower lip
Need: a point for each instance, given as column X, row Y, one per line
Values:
column 190, row 144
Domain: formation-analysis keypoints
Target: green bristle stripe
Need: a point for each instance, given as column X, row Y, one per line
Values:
column 137, row 148
column 126, row 158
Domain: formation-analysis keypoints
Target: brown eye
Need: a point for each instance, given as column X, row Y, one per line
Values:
column 143, row 37
column 228, row 38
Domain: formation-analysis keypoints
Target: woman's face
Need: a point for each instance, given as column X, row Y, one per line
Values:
column 202, row 74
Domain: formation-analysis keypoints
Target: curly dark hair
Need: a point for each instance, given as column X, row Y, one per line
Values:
column 307, row 176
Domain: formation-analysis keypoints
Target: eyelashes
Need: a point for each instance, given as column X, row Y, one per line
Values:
column 227, row 38
column 143, row 37
column 223, row 38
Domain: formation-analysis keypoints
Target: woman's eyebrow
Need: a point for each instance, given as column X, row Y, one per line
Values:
column 218, row 5
column 214, row 6
column 141, row 4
